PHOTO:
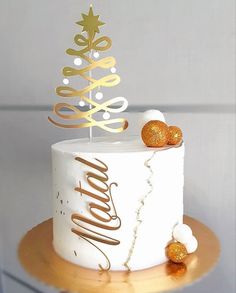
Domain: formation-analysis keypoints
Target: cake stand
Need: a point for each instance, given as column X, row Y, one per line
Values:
column 37, row 256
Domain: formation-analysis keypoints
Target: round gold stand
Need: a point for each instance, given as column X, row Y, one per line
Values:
column 38, row 258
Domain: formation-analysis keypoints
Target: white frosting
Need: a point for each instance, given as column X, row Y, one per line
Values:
column 156, row 179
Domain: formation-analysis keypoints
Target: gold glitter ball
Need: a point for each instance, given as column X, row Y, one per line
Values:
column 155, row 133
column 176, row 252
column 175, row 135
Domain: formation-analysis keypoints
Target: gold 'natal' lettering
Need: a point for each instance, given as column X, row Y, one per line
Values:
column 103, row 214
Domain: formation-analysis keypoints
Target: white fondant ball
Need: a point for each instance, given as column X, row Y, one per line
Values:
column 106, row 115
column 81, row 103
column 96, row 55
column 191, row 245
column 113, row 70
column 66, row 81
column 78, row 61
column 182, row 233
column 99, row 95
column 151, row 115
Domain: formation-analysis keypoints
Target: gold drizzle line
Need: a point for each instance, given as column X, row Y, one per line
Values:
column 138, row 219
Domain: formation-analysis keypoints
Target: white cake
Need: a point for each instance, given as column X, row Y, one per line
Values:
column 115, row 202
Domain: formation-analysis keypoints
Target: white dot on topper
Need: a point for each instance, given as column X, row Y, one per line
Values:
column 106, row 115
column 113, row 70
column 81, row 103
column 99, row 95
column 96, row 55
column 78, row 61
column 66, row 81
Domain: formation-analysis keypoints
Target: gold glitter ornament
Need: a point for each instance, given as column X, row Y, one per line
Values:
column 176, row 252
column 175, row 135
column 155, row 133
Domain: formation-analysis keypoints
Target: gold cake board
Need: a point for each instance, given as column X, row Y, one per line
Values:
column 37, row 256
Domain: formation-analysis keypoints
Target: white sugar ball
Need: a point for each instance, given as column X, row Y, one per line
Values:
column 81, row 103
column 151, row 115
column 96, row 55
column 99, row 95
column 106, row 115
column 66, row 81
column 113, row 70
column 191, row 245
column 78, row 61
column 182, row 233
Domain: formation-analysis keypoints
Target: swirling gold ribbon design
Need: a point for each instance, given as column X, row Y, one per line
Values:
column 120, row 103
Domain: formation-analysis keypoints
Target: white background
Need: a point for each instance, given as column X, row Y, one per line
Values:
column 178, row 56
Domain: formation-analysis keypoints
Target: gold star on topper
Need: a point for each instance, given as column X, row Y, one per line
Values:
column 90, row 23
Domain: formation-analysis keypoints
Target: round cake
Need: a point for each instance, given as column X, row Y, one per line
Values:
column 116, row 202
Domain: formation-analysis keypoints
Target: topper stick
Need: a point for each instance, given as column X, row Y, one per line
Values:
column 90, row 97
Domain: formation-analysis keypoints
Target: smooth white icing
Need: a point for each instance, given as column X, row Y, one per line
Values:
column 126, row 159
column 104, row 145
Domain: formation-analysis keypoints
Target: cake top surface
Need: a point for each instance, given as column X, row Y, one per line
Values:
column 105, row 145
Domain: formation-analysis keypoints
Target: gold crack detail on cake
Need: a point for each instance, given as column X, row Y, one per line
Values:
column 138, row 218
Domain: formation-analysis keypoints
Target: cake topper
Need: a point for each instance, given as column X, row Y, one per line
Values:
column 88, row 53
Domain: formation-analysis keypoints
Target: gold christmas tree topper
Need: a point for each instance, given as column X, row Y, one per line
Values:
column 88, row 53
